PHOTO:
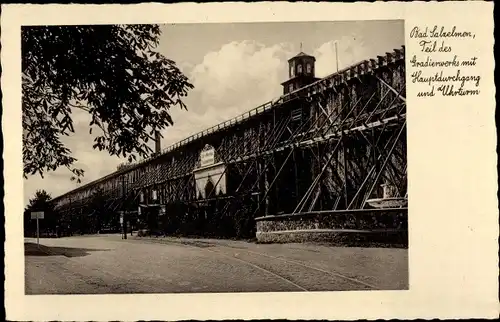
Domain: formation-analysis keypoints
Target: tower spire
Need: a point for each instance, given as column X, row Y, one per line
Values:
column 301, row 46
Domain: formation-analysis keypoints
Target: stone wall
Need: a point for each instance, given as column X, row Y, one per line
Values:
column 371, row 227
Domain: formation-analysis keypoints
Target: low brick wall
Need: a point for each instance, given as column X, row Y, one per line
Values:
column 370, row 227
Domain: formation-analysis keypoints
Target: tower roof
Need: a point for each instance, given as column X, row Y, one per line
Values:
column 301, row 54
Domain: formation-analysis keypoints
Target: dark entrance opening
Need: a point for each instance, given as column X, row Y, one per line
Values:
column 209, row 188
column 149, row 220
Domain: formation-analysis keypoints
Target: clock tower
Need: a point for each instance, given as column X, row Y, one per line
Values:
column 300, row 72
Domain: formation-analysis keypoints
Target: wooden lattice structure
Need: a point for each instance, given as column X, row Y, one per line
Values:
column 326, row 146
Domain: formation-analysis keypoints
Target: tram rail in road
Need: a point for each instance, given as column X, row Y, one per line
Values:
column 109, row 264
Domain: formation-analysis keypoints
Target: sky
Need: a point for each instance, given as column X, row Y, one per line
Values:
column 234, row 68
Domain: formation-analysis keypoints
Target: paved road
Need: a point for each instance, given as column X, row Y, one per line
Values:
column 108, row 264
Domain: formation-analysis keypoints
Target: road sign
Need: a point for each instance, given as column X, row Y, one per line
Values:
column 37, row 215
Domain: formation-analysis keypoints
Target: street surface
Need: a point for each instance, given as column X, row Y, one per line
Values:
column 108, row 264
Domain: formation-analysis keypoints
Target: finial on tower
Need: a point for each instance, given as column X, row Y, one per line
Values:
column 301, row 46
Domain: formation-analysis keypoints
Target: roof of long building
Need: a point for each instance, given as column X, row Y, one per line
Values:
column 348, row 72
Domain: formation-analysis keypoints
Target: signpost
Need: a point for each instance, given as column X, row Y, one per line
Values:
column 37, row 215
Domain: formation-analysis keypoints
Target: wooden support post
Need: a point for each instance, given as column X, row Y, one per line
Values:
column 344, row 164
column 383, row 165
column 296, row 178
column 319, row 168
column 302, row 203
column 266, row 187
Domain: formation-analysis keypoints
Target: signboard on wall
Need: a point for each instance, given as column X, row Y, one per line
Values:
column 207, row 156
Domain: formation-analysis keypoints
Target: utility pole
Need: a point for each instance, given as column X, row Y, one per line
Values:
column 337, row 55
column 124, row 219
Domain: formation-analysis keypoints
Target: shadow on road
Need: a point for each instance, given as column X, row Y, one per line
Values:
column 198, row 243
column 31, row 249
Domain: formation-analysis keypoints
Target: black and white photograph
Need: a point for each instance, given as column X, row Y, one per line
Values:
column 217, row 157
column 248, row 161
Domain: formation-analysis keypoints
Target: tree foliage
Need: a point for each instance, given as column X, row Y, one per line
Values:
column 40, row 201
column 111, row 71
column 97, row 205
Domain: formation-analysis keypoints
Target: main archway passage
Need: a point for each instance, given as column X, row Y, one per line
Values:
column 210, row 179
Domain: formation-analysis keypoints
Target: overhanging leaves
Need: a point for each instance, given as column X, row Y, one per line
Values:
column 112, row 72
